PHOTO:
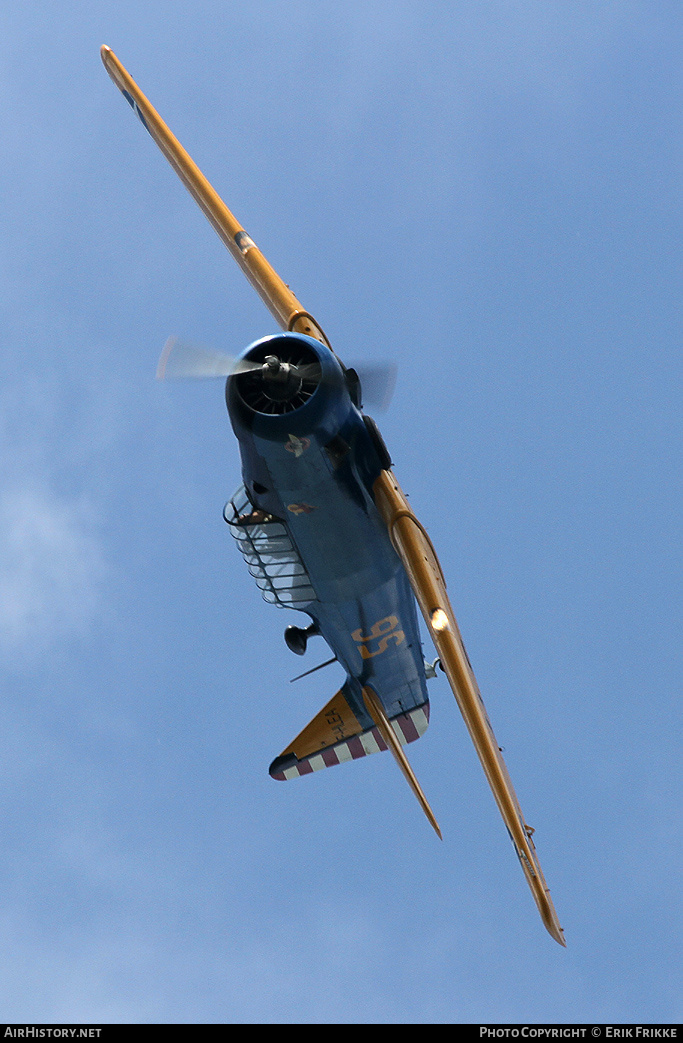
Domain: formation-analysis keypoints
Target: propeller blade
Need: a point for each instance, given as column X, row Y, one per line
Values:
column 182, row 361
column 415, row 550
column 377, row 382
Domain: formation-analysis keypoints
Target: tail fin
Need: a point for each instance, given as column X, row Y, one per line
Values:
column 336, row 734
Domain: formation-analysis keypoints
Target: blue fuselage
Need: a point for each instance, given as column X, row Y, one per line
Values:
column 313, row 468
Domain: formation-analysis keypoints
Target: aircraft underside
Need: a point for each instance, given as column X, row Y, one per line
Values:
column 371, row 624
column 326, row 529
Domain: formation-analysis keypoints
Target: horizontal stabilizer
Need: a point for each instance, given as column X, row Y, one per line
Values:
column 336, row 735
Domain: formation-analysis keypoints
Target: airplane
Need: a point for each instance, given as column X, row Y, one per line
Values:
column 325, row 529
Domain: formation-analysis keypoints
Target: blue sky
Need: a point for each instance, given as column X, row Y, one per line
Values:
column 487, row 193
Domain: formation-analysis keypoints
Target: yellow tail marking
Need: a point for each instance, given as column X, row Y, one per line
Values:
column 333, row 724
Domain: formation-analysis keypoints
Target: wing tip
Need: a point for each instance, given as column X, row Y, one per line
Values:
column 112, row 65
column 551, row 921
column 280, row 765
column 557, row 932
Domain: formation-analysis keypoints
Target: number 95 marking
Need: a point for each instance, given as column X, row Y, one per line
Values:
column 384, row 631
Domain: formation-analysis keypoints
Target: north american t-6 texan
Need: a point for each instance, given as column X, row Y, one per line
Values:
column 325, row 529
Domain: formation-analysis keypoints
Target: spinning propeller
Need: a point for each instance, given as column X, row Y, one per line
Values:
column 181, row 360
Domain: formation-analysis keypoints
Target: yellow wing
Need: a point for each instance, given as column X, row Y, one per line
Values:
column 277, row 296
column 422, row 565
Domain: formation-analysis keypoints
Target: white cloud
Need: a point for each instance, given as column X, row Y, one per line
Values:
column 51, row 569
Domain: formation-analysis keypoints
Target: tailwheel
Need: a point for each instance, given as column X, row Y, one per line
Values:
column 296, row 638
